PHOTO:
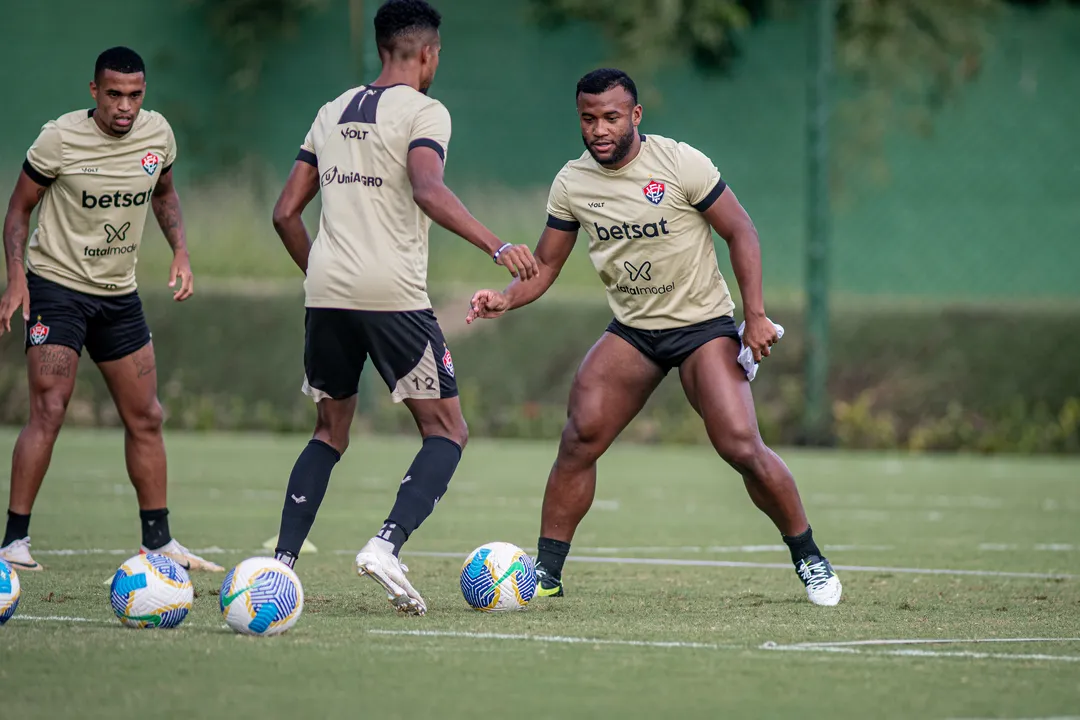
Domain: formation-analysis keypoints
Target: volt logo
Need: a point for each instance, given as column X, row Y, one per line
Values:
column 637, row 273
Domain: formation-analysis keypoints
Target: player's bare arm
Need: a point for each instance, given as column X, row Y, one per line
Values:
column 731, row 221
column 24, row 198
column 166, row 204
column 551, row 254
column 300, row 189
column 439, row 203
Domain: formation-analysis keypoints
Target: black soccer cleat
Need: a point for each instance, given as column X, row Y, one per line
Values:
column 547, row 585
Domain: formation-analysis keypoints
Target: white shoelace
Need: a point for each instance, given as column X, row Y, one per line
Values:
column 816, row 576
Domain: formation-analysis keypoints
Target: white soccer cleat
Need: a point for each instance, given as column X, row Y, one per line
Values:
column 187, row 559
column 822, row 585
column 17, row 554
column 379, row 564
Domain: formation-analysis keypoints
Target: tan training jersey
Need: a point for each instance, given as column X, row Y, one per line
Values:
column 647, row 237
column 371, row 251
column 98, row 190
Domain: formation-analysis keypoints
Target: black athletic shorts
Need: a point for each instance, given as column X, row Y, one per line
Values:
column 670, row 348
column 110, row 327
column 407, row 349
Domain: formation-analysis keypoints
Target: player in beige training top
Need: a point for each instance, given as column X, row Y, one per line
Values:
column 93, row 174
column 376, row 154
column 649, row 206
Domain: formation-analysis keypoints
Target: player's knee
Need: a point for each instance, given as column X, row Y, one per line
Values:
column 48, row 410
column 451, row 426
column 582, row 439
column 332, row 434
column 742, row 449
column 147, row 420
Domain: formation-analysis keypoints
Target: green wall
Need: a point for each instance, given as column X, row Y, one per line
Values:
column 986, row 208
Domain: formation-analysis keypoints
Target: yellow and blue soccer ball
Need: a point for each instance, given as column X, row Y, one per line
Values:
column 151, row 591
column 497, row 577
column 261, row 596
column 9, row 591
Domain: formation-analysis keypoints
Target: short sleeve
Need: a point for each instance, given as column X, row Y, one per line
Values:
column 560, row 216
column 431, row 128
column 45, row 158
column 699, row 178
column 170, row 149
column 307, row 149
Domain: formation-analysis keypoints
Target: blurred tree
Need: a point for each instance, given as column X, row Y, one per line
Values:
column 897, row 59
column 250, row 29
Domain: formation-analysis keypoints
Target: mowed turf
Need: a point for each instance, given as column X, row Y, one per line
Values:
column 629, row 640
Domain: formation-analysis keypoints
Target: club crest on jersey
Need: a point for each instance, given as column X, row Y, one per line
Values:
column 654, row 192
column 448, row 362
column 150, row 163
column 38, row 332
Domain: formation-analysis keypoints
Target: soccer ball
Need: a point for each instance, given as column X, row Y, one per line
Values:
column 497, row 577
column 151, row 591
column 9, row 592
column 261, row 596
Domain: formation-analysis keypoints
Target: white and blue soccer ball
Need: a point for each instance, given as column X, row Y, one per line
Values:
column 151, row 591
column 9, row 591
column 261, row 596
column 497, row 577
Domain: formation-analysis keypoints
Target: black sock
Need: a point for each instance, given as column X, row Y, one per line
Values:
column 18, row 527
column 802, row 545
column 423, row 487
column 155, row 528
column 552, row 554
column 307, row 487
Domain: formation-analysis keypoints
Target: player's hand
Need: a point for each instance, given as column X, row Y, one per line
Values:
column 181, row 268
column 487, row 304
column 17, row 295
column 759, row 335
column 519, row 260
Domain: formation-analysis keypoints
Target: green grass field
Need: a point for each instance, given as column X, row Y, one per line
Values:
column 722, row 630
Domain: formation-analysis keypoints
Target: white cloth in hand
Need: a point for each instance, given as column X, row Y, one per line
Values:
column 746, row 355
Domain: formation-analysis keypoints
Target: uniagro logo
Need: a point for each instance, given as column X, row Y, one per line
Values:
column 333, row 176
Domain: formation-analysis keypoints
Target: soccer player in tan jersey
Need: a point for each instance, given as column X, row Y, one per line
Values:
column 376, row 154
column 94, row 174
column 649, row 205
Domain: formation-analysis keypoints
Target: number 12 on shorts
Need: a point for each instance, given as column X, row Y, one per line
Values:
column 427, row 383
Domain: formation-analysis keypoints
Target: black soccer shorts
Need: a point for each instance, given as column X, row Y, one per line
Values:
column 109, row 327
column 669, row 348
column 407, row 349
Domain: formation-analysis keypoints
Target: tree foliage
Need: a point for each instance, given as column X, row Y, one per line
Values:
column 250, row 29
column 897, row 60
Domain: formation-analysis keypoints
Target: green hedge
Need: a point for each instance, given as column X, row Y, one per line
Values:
column 983, row 379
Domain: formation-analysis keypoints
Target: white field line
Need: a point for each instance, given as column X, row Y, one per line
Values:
column 560, row 639
column 677, row 562
column 932, row 641
column 771, row 647
column 723, row 549
column 844, row 647
column 853, row 647
column 54, row 618
column 1056, row 717
column 132, row 551
column 776, row 566
column 912, row 652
